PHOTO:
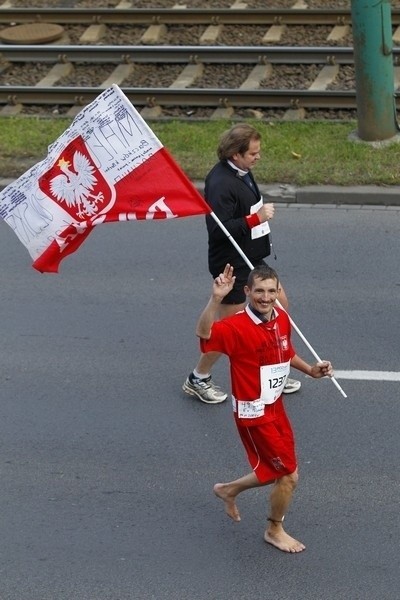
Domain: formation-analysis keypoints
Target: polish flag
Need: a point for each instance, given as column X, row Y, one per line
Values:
column 107, row 166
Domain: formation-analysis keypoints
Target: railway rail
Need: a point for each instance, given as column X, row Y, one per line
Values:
column 209, row 97
column 177, row 16
column 178, row 54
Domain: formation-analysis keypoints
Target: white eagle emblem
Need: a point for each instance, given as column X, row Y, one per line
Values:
column 284, row 342
column 76, row 187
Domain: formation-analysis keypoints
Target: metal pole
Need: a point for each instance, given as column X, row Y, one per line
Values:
column 373, row 59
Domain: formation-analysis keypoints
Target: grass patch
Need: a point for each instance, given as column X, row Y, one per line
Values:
column 298, row 153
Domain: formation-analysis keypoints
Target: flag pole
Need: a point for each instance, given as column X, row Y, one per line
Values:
column 251, row 266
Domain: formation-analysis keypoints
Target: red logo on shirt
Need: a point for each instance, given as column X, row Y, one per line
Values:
column 284, row 342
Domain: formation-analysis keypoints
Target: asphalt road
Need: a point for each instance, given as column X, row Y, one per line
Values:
column 107, row 467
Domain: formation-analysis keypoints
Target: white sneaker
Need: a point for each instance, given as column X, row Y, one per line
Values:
column 205, row 390
column 291, row 386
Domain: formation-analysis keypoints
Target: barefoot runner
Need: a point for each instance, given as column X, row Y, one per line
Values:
column 258, row 344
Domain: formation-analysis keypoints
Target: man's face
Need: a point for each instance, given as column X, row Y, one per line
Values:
column 247, row 160
column 262, row 295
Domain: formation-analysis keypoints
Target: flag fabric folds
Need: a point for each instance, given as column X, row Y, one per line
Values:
column 107, row 166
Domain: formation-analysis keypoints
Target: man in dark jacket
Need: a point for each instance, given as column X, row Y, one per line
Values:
column 233, row 195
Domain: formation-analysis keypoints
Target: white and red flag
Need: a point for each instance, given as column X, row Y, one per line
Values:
column 107, row 166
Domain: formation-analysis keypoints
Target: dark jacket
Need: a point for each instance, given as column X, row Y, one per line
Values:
column 231, row 198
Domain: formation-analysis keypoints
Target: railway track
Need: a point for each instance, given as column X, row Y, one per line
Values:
column 204, row 81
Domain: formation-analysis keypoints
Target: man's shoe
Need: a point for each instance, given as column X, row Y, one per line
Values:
column 291, row 386
column 204, row 389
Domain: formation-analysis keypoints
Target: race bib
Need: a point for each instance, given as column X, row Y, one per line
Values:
column 273, row 379
column 251, row 409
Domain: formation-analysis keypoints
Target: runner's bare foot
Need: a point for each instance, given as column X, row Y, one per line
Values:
column 283, row 541
column 221, row 491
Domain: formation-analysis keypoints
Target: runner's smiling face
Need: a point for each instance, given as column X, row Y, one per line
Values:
column 247, row 160
column 262, row 295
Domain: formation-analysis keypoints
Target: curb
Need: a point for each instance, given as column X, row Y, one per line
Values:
column 363, row 195
column 330, row 194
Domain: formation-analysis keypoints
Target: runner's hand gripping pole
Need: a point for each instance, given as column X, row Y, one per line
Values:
column 251, row 266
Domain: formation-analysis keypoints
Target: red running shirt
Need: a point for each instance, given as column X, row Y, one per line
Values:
column 251, row 344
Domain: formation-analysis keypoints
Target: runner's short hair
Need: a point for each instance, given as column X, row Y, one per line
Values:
column 262, row 272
